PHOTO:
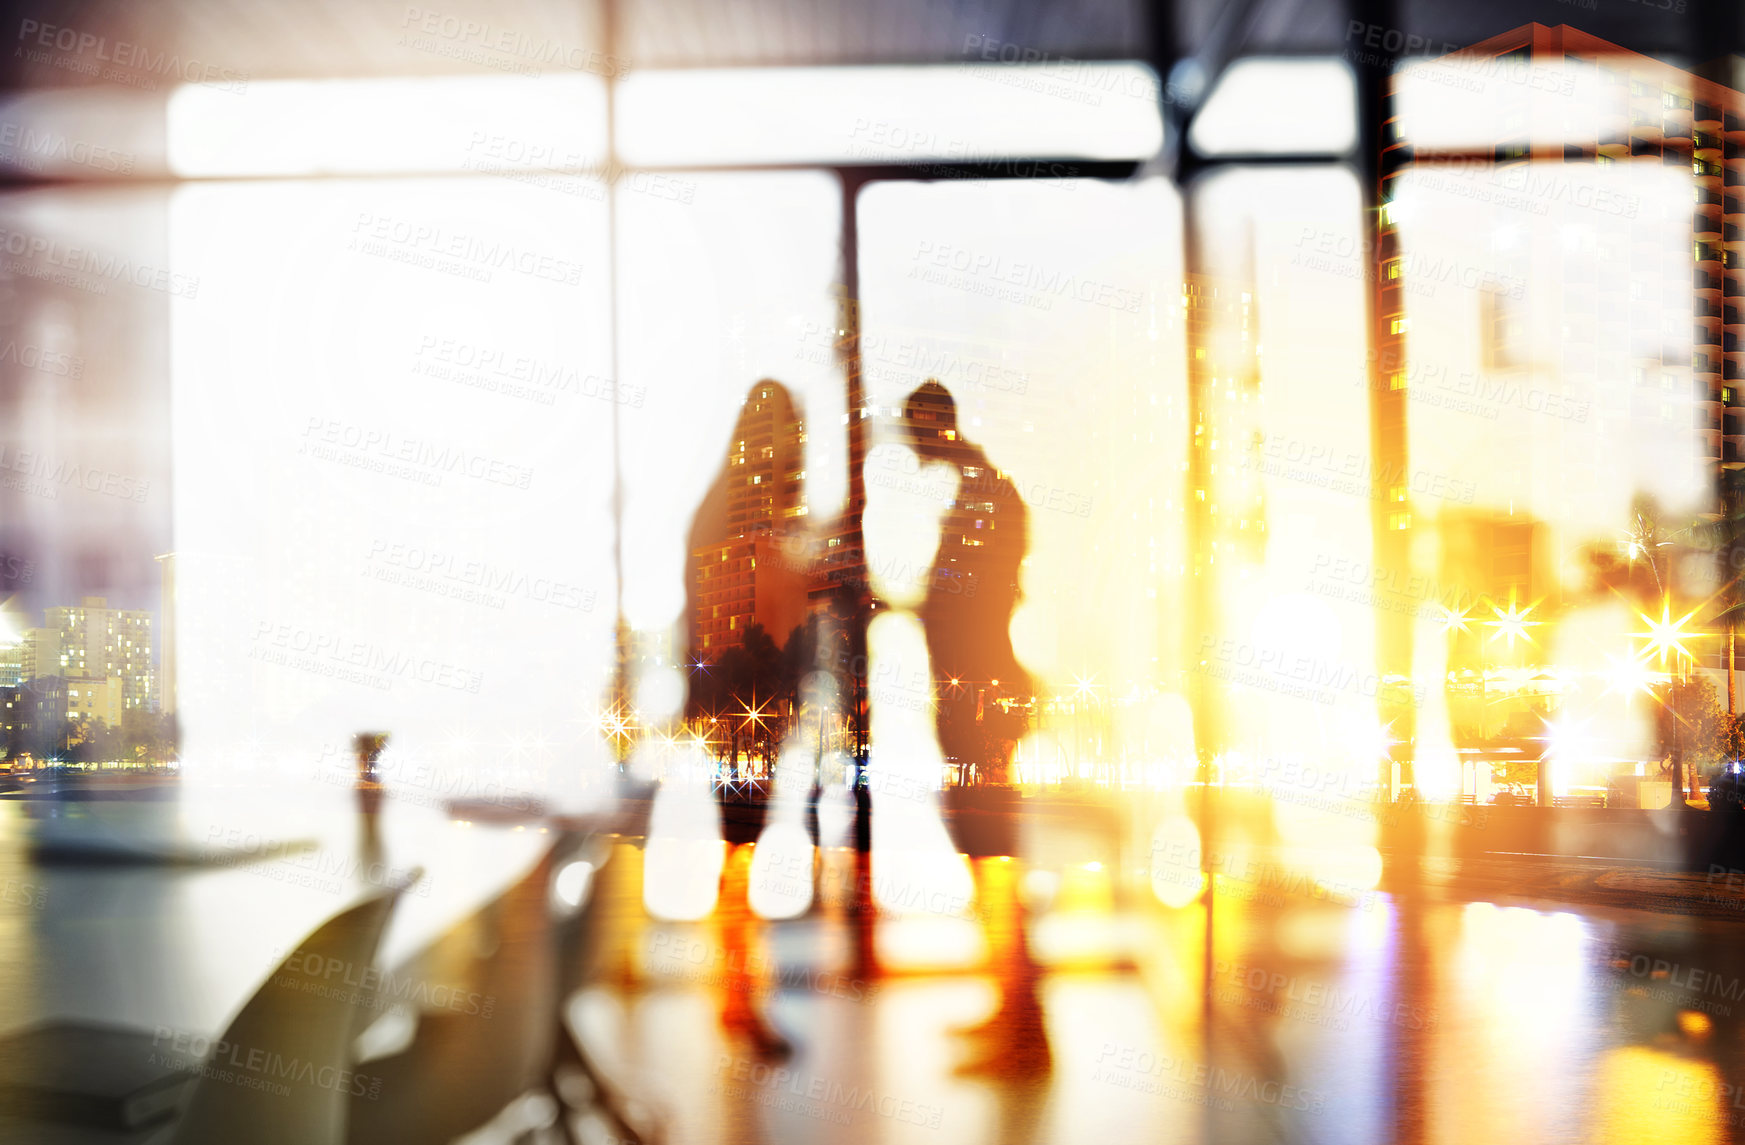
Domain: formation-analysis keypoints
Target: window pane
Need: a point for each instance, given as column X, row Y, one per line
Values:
column 960, row 113
column 1291, row 482
column 1558, row 398
column 84, row 378
column 1246, row 116
column 1052, row 315
column 392, row 126
column 726, row 284
column 392, row 477
column 1478, row 99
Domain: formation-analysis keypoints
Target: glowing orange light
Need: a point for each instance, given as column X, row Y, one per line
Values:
column 1628, row 677
column 1694, row 1023
column 1666, row 634
column 1455, row 620
column 1512, row 622
column 752, row 713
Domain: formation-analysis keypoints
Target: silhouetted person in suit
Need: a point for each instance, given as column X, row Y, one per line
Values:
column 972, row 592
column 967, row 613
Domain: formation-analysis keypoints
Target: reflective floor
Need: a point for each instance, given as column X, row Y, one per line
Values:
column 1508, row 998
column 1427, row 1016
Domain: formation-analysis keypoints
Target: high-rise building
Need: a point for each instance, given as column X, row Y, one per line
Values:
column 12, row 716
column 1224, row 383
column 39, row 654
column 1684, row 329
column 91, row 641
column 744, row 568
column 93, row 699
column 1226, row 507
column 44, row 714
column 766, row 464
column 167, row 611
column 744, row 581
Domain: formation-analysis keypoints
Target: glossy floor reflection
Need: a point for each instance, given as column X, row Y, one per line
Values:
column 1430, row 1016
column 1517, row 999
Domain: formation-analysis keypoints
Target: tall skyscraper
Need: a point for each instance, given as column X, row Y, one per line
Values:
column 748, row 560
column 91, row 641
column 1226, row 507
column 1652, row 112
column 1224, row 384
column 39, row 654
column 1684, row 328
column 167, row 613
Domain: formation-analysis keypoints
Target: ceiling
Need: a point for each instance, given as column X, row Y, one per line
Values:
column 322, row 38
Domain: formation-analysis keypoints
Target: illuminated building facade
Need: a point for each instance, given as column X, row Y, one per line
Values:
column 92, row 642
column 1663, row 114
column 1226, row 508
column 1640, row 346
column 748, row 569
column 93, row 699
column 167, row 689
column 1224, row 385
column 38, row 714
column 746, row 580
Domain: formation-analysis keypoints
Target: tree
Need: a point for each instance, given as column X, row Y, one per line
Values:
column 763, row 658
column 79, row 740
column 1733, row 737
column 1693, row 728
column 98, row 742
column 1637, row 566
column 800, row 656
column 746, row 678
column 1523, row 731
column 147, row 737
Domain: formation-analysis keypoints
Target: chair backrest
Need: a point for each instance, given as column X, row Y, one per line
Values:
column 465, row 1067
column 282, row 1072
column 580, row 933
column 521, row 979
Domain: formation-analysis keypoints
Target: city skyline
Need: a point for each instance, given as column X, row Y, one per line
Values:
column 87, row 667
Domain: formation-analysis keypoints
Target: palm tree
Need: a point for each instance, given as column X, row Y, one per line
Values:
column 1722, row 536
column 1645, row 539
column 1648, row 539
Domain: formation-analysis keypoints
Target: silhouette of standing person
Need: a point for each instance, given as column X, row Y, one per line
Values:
column 967, row 614
column 748, row 554
column 746, row 590
column 972, row 592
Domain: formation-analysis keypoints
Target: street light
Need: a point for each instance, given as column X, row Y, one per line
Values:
column 1512, row 622
column 1664, row 636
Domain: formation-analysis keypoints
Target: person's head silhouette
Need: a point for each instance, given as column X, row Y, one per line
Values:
column 931, row 416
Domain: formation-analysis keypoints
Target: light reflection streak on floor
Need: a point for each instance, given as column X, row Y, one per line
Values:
column 1400, row 1019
